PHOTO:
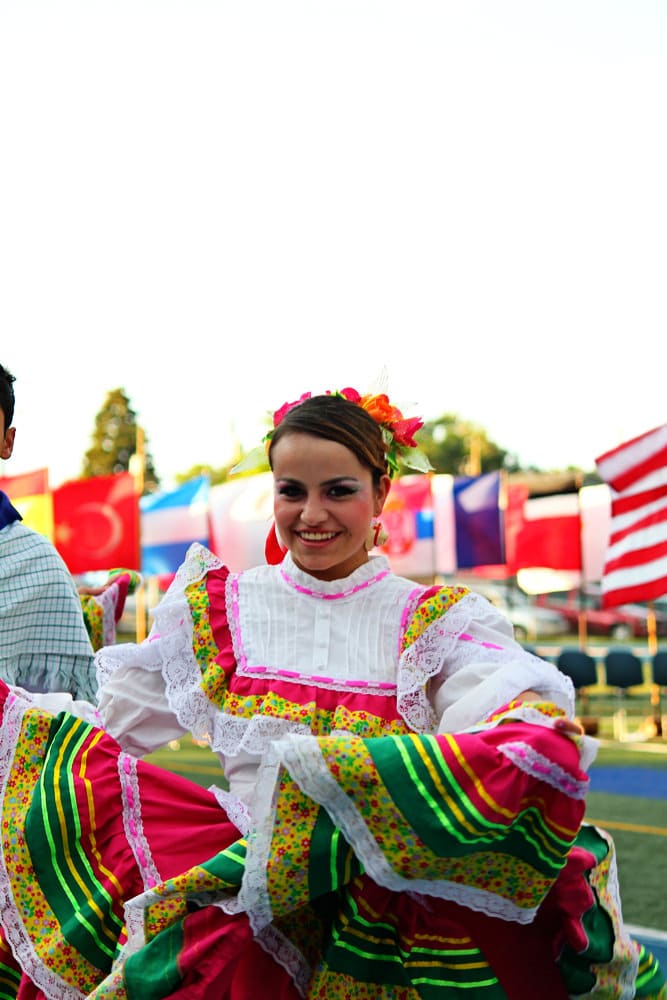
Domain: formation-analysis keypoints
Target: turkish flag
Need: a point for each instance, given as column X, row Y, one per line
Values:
column 97, row 523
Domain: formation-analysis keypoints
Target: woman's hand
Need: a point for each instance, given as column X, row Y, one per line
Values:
column 569, row 727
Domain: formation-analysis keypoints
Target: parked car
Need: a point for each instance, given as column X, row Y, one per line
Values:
column 627, row 621
column 530, row 621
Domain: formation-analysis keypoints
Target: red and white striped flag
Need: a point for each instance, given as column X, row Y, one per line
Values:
column 635, row 566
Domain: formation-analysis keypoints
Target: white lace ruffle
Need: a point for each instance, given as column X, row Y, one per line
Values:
column 449, row 645
column 132, row 822
column 235, row 810
column 17, row 938
column 287, row 956
column 625, row 961
column 301, row 756
column 424, row 659
column 531, row 762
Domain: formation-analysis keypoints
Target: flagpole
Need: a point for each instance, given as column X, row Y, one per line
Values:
column 582, row 629
column 138, row 465
column 652, row 646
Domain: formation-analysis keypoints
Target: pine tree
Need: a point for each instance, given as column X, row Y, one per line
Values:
column 115, row 441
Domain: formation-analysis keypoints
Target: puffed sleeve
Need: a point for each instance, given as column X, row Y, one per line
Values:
column 134, row 708
column 155, row 691
column 463, row 651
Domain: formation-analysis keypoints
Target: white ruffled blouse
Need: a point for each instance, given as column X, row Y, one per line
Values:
column 343, row 635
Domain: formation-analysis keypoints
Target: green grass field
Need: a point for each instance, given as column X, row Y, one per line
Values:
column 638, row 825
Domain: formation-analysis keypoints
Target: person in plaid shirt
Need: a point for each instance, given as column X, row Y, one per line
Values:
column 44, row 643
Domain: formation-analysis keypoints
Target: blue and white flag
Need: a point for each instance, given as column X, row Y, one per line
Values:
column 170, row 523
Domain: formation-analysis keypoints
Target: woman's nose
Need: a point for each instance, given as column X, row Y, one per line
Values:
column 313, row 512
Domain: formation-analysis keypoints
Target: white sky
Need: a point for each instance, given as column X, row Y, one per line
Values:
column 220, row 205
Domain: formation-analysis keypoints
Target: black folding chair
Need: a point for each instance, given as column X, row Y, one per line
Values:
column 623, row 670
column 581, row 669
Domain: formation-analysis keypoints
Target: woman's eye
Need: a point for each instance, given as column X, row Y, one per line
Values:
column 341, row 491
column 289, row 492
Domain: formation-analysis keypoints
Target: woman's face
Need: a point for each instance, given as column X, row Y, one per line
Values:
column 324, row 502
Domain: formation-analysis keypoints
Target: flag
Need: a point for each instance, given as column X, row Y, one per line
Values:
column 96, row 523
column 30, row 496
column 408, row 519
column 478, row 520
column 170, row 523
column 444, row 528
column 26, row 485
column 240, row 516
column 548, row 534
column 635, row 566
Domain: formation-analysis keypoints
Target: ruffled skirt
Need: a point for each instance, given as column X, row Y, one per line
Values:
column 393, row 868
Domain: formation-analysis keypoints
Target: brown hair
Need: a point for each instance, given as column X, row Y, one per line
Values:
column 335, row 418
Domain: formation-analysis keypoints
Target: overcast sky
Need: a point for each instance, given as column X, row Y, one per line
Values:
column 218, row 206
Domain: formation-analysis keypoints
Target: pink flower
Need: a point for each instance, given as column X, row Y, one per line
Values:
column 280, row 414
column 351, row 394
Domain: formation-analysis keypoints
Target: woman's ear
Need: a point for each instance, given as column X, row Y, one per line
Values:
column 7, row 443
column 381, row 494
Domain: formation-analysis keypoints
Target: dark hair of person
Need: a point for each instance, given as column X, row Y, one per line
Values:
column 7, row 400
column 335, row 418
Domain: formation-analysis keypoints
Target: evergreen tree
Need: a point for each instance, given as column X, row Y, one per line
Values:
column 115, row 440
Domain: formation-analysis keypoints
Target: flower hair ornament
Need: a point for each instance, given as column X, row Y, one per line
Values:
column 398, row 435
column 398, row 432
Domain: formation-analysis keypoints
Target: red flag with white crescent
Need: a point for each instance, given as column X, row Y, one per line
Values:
column 97, row 523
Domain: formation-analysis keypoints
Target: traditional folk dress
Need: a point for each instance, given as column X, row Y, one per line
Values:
column 393, row 824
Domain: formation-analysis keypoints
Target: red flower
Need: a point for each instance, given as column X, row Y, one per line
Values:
column 404, row 431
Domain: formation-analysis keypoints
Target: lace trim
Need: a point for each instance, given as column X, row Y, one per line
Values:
column 234, row 809
column 230, row 735
column 287, row 956
column 17, row 937
column 425, row 658
column 132, row 822
column 303, row 761
column 331, row 596
column 408, row 611
column 253, row 896
column 197, row 563
column 625, row 961
column 234, row 623
column 531, row 762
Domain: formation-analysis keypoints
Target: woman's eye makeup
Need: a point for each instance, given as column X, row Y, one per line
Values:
column 337, row 491
column 342, row 490
column 289, row 490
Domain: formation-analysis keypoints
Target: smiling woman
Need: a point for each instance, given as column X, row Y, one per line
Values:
column 396, row 771
column 323, row 521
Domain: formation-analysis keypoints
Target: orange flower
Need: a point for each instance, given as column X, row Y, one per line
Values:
column 380, row 409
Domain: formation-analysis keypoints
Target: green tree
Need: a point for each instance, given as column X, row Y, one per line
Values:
column 117, row 437
column 461, row 447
